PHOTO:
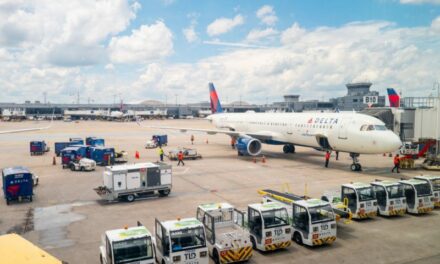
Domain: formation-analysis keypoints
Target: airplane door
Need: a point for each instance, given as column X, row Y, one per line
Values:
column 342, row 133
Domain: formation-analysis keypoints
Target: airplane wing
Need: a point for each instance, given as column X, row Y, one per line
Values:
column 27, row 129
column 263, row 135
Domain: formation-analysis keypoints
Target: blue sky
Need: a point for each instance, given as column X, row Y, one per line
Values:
column 261, row 50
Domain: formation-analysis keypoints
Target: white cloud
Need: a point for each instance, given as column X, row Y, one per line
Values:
column 435, row 25
column 148, row 43
column 190, row 32
column 435, row 2
column 292, row 34
column 267, row 15
column 223, row 25
column 256, row 35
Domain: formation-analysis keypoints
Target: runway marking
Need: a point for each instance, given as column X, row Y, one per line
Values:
column 182, row 172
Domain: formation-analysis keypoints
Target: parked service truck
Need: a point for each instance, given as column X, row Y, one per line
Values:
column 390, row 198
column 130, row 181
column 434, row 181
column 269, row 226
column 38, row 147
column 181, row 241
column 228, row 241
column 313, row 220
column 129, row 245
column 419, row 198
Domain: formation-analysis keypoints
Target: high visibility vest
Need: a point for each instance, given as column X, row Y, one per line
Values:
column 180, row 156
column 160, row 151
column 396, row 160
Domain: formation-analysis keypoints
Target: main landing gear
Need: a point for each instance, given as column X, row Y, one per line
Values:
column 289, row 148
column 356, row 166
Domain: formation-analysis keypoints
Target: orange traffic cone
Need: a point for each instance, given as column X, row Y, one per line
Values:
column 263, row 159
column 137, row 156
column 54, row 161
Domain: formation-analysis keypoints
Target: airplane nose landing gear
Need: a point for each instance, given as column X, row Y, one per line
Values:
column 289, row 148
column 356, row 166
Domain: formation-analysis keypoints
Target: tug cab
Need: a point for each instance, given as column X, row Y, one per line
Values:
column 419, row 198
column 390, row 197
column 434, row 181
column 360, row 199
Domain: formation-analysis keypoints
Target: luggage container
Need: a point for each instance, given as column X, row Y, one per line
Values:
column 128, row 245
column 434, row 181
column 130, row 181
column 38, row 148
column 181, row 241
column 418, row 195
column 95, row 142
column 390, row 198
column 103, row 156
column 58, row 146
column 71, row 154
column 17, row 184
column 161, row 140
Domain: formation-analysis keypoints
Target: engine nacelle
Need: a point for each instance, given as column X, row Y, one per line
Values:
column 248, row 146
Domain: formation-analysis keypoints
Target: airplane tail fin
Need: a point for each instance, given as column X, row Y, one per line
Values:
column 216, row 107
column 394, row 97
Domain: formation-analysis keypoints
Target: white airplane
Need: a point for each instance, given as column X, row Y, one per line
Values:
column 344, row 132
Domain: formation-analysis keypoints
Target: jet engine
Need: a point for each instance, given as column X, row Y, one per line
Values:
column 248, row 146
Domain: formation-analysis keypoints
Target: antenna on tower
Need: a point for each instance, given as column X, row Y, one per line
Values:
column 45, row 97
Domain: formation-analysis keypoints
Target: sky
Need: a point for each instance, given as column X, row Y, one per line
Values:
column 169, row 50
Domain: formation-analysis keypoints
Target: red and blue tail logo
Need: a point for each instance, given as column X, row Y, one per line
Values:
column 216, row 107
column 393, row 97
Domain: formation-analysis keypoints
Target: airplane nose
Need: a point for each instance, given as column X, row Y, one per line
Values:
column 394, row 142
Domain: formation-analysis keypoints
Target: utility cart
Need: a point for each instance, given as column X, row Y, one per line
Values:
column 390, row 198
column 419, row 198
column 188, row 154
column 434, row 181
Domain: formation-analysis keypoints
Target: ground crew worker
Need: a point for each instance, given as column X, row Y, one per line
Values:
column 161, row 153
column 396, row 163
column 180, row 158
column 192, row 139
column 327, row 158
column 337, row 155
column 233, row 142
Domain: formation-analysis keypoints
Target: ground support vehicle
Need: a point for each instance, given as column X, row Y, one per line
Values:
column 130, row 181
column 38, row 147
column 269, row 226
column 59, row 146
column 121, row 156
column 128, row 245
column 83, row 164
column 359, row 197
column 18, row 183
column 181, row 241
column 79, row 141
column 431, row 163
column 413, row 151
column 434, row 181
column 419, row 198
column 340, row 208
column 14, row 249
column 313, row 220
column 188, row 154
column 71, row 154
column 390, row 197
column 228, row 241
column 104, row 156
column 95, row 142
column 151, row 144
column 161, row 140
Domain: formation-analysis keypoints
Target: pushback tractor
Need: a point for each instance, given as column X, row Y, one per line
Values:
column 434, row 181
column 181, row 241
column 313, row 220
column 228, row 241
column 269, row 226
column 390, row 198
column 128, row 245
column 418, row 195
column 360, row 199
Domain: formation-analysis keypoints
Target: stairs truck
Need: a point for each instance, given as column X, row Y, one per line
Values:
column 181, row 241
column 359, row 197
column 269, row 226
column 419, row 199
column 390, row 197
column 227, row 239
column 313, row 220
column 434, row 181
column 128, row 245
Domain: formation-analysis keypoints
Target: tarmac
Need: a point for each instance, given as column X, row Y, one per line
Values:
column 67, row 218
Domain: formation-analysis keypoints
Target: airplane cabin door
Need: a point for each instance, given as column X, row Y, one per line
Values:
column 342, row 132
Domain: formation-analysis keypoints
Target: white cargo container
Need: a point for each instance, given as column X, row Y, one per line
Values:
column 130, row 181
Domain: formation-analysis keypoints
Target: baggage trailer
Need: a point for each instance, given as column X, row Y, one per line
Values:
column 71, row 154
column 434, row 181
column 269, row 226
column 79, row 141
column 313, row 220
column 181, row 241
column 161, row 140
column 58, row 146
column 187, row 154
column 38, row 147
column 390, row 197
column 103, row 156
column 14, row 249
column 228, row 241
column 95, row 142
column 130, row 181
column 419, row 198
column 128, row 245
column 359, row 197
column 18, row 184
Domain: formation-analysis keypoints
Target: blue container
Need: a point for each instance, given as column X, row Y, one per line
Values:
column 161, row 139
column 37, row 147
column 95, row 142
column 83, row 150
column 70, row 154
column 79, row 141
column 17, row 183
column 60, row 146
column 103, row 156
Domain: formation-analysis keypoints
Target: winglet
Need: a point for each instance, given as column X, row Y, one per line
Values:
column 393, row 97
column 216, row 107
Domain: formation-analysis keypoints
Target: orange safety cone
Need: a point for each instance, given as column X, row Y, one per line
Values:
column 263, row 159
column 54, row 161
column 137, row 156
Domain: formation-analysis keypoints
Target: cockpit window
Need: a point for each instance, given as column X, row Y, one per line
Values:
column 380, row 127
column 364, row 128
column 373, row 127
column 370, row 127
